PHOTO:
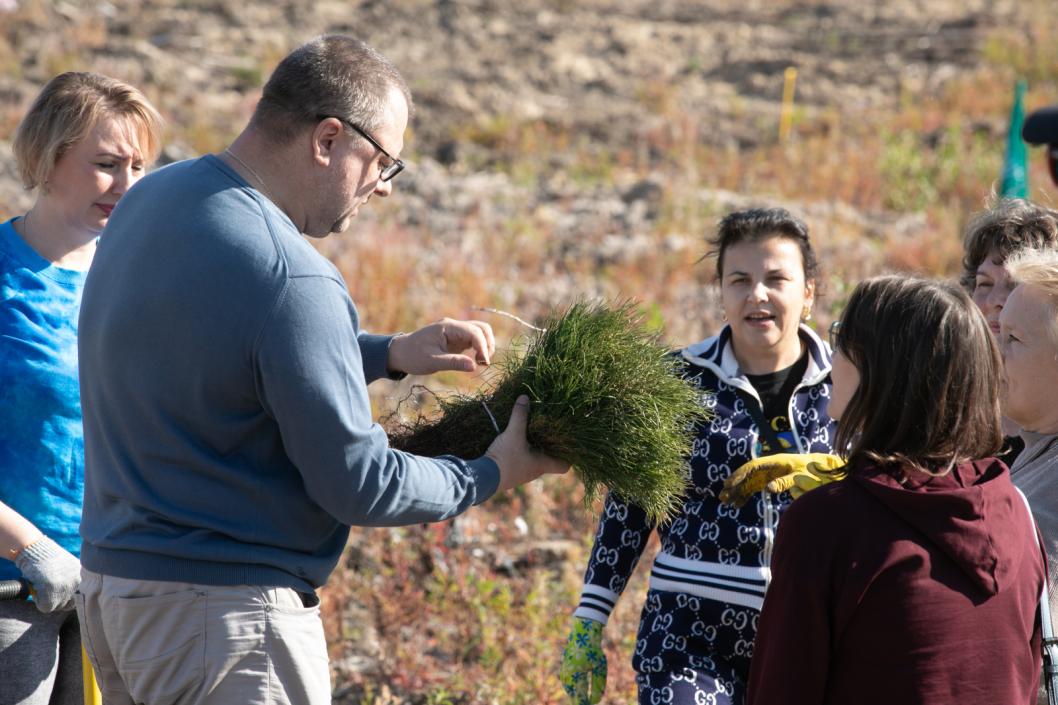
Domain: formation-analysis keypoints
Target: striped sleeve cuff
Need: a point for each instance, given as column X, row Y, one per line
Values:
column 736, row 584
column 596, row 603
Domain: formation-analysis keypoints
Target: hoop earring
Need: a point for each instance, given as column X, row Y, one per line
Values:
column 806, row 315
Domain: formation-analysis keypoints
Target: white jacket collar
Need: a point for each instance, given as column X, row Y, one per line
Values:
column 717, row 354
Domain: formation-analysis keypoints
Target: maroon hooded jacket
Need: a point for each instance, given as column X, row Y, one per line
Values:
column 925, row 592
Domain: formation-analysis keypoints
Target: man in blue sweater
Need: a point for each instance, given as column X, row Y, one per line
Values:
column 228, row 428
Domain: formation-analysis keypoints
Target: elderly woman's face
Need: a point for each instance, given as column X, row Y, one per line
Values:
column 1030, row 360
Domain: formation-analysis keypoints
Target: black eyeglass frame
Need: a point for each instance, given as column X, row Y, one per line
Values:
column 395, row 165
column 834, row 334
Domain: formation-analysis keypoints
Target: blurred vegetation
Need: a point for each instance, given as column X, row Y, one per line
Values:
column 606, row 397
column 495, row 632
column 475, row 610
column 936, row 155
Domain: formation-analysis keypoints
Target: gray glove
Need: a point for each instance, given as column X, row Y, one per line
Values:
column 52, row 571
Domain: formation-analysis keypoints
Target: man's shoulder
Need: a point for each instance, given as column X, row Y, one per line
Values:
column 8, row 244
column 201, row 213
column 184, row 196
column 184, row 174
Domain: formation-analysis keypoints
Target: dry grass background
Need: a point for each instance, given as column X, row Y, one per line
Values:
column 564, row 149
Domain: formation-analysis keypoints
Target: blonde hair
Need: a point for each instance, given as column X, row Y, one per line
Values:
column 67, row 109
column 1038, row 268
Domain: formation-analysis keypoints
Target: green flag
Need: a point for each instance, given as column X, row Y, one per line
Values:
column 1015, row 166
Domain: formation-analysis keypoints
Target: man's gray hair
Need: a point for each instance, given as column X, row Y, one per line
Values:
column 334, row 76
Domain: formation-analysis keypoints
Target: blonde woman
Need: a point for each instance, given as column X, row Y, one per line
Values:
column 85, row 140
column 1028, row 339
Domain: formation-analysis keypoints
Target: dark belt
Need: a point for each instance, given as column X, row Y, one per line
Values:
column 309, row 599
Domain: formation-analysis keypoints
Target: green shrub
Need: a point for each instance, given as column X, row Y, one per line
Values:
column 606, row 396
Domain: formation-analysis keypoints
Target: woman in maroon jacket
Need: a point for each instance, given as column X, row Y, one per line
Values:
column 918, row 579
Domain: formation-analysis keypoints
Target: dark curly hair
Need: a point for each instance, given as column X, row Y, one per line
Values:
column 758, row 224
column 1010, row 225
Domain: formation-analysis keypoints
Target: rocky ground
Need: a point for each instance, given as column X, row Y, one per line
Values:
column 554, row 154
column 607, row 71
column 594, row 94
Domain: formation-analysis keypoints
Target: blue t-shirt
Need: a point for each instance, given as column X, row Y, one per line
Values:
column 41, row 439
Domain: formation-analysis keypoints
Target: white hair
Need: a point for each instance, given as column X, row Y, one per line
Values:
column 1038, row 268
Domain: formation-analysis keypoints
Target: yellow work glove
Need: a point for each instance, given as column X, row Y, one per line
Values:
column 583, row 672
column 796, row 472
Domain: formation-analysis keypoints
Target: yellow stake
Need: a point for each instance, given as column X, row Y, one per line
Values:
column 789, row 79
column 92, row 696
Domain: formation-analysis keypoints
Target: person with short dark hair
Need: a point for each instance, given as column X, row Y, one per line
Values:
column 765, row 378
column 917, row 579
column 86, row 139
column 992, row 236
column 228, row 428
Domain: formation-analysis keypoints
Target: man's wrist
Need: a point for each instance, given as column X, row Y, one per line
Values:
column 394, row 371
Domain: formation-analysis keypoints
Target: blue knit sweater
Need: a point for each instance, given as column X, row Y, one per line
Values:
column 228, row 429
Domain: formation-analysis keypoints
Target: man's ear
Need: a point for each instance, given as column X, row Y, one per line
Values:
column 324, row 138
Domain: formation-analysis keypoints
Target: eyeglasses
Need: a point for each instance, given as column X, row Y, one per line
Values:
column 390, row 170
column 834, row 334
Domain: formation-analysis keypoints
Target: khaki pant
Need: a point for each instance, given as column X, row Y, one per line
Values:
column 163, row 643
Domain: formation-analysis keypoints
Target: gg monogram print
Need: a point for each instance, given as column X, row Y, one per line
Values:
column 708, row 581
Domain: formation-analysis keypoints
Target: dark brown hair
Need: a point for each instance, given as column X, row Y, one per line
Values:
column 1010, row 225
column 332, row 75
column 929, row 375
column 757, row 224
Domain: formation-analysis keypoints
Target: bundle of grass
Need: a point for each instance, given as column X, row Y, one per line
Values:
column 606, row 395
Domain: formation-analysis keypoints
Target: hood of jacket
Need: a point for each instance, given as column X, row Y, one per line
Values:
column 972, row 514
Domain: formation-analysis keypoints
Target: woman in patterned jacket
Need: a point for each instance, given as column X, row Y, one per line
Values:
column 765, row 378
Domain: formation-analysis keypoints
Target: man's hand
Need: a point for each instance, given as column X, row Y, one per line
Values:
column 583, row 672
column 52, row 571
column 518, row 464
column 447, row 344
column 796, row 472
